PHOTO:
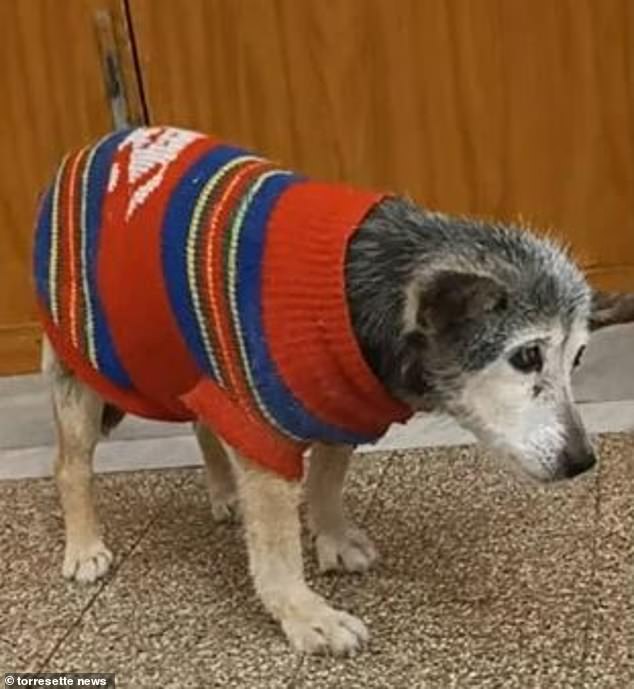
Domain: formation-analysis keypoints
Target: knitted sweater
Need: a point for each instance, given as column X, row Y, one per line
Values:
column 186, row 279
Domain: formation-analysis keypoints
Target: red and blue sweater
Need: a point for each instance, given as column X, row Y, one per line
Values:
column 186, row 279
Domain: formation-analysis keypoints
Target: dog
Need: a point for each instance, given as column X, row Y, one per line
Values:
column 432, row 313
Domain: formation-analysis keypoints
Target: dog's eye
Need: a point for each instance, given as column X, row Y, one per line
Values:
column 578, row 357
column 527, row 359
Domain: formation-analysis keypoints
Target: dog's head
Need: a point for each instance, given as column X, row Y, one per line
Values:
column 483, row 322
column 497, row 353
column 493, row 322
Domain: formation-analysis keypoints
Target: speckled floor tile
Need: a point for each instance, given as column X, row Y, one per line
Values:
column 610, row 652
column 181, row 612
column 37, row 606
column 484, row 581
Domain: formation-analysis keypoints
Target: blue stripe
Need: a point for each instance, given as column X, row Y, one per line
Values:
column 42, row 248
column 107, row 359
column 174, row 234
column 288, row 411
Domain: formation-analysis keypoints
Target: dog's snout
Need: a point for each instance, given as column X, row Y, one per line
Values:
column 578, row 455
column 573, row 464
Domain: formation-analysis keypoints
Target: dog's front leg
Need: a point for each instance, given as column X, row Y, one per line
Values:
column 269, row 506
column 338, row 544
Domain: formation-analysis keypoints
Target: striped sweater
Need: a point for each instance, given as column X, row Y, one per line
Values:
column 184, row 279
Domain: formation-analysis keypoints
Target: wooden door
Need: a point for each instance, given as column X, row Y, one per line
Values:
column 53, row 99
column 494, row 107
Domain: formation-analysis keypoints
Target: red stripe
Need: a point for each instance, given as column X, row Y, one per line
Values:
column 220, row 205
column 144, row 330
column 127, row 400
column 216, row 279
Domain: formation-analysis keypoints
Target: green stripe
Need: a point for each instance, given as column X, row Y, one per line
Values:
column 193, row 258
column 78, row 233
column 89, row 324
column 204, row 288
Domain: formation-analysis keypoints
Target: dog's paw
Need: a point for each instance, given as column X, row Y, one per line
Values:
column 224, row 508
column 322, row 629
column 349, row 549
column 86, row 564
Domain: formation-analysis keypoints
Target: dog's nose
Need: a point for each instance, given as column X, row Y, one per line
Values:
column 577, row 455
column 574, row 464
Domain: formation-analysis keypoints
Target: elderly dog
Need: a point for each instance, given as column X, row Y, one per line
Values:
column 481, row 321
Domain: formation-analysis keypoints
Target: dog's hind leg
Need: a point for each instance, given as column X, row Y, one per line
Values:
column 270, row 515
column 220, row 479
column 78, row 417
column 338, row 544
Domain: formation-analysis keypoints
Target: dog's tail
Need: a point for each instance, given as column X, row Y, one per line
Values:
column 611, row 308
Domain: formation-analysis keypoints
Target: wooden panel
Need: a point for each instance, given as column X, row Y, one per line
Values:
column 52, row 95
column 494, row 107
column 20, row 347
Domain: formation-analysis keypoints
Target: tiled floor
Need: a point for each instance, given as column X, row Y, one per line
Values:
column 484, row 582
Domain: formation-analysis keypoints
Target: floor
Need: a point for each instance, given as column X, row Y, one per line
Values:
column 484, row 581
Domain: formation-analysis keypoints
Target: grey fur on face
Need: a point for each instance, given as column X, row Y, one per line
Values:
column 405, row 267
column 482, row 321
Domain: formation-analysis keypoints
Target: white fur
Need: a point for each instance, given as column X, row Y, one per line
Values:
column 339, row 545
column 269, row 506
column 500, row 406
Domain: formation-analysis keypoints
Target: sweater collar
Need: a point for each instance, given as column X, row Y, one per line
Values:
column 306, row 314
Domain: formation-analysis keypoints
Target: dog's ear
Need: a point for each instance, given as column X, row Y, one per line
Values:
column 450, row 301
column 454, row 298
column 611, row 308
